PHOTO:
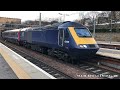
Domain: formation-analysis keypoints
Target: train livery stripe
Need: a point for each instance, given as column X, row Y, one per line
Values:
column 80, row 40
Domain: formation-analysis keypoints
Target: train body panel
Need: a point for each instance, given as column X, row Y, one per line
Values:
column 45, row 38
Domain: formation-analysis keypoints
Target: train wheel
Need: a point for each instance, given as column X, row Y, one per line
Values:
column 73, row 60
column 50, row 52
column 44, row 51
column 66, row 57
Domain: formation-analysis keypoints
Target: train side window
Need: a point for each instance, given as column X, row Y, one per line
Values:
column 22, row 34
column 16, row 34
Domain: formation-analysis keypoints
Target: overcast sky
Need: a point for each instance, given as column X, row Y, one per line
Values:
column 34, row 15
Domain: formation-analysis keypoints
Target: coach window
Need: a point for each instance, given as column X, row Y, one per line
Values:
column 16, row 34
column 22, row 34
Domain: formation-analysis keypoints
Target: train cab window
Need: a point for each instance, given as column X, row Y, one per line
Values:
column 66, row 34
column 83, row 32
column 61, row 33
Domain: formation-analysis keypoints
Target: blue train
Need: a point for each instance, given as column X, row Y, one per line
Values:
column 64, row 40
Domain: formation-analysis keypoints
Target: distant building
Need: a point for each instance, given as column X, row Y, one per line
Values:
column 30, row 22
column 8, row 23
column 4, row 20
column 43, row 23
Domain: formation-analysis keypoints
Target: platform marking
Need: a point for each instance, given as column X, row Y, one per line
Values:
column 21, row 74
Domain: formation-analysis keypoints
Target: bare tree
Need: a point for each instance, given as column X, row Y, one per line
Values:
column 81, row 17
column 115, row 16
column 93, row 15
column 103, row 17
column 105, row 13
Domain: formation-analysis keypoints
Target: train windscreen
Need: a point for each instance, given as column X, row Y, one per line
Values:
column 83, row 32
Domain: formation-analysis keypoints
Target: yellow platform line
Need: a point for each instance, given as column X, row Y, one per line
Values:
column 21, row 74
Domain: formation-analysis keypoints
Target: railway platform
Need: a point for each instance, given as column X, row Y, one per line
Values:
column 113, row 53
column 5, row 70
column 109, row 52
column 13, row 66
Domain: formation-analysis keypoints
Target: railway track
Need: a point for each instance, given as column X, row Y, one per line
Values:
column 91, row 68
column 99, row 71
column 110, row 62
column 102, row 65
column 117, row 47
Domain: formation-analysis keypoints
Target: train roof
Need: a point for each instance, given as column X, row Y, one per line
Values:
column 71, row 24
column 54, row 26
column 20, row 29
column 25, row 29
column 14, row 30
column 64, row 25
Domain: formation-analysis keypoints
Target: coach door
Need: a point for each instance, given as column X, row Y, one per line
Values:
column 60, row 37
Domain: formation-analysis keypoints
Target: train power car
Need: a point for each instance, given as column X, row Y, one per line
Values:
column 64, row 40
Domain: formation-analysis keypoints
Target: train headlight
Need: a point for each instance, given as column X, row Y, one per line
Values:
column 96, row 46
column 83, row 46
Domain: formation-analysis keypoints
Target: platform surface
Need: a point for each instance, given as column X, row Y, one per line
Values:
column 109, row 52
column 5, row 70
column 22, row 68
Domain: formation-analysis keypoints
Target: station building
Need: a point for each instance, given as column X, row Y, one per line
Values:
column 6, row 20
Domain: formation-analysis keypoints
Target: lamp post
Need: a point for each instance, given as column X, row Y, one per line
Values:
column 64, row 16
column 111, row 29
column 40, row 20
column 94, row 27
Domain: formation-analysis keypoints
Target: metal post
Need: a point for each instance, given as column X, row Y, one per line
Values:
column 79, row 15
column 94, row 27
column 40, row 20
column 110, row 30
column 64, row 18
